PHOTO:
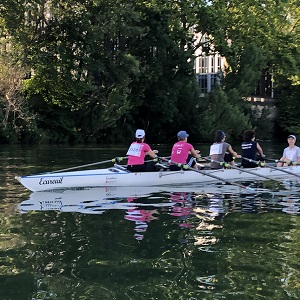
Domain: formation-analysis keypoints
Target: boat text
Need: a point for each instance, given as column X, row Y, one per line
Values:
column 110, row 179
column 44, row 181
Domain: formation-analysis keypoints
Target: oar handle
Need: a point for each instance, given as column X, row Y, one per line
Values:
column 289, row 163
column 181, row 165
column 258, row 162
column 118, row 159
column 159, row 158
column 221, row 163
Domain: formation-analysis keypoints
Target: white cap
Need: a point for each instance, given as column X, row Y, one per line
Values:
column 140, row 133
column 292, row 136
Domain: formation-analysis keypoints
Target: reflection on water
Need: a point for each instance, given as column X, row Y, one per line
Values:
column 198, row 242
column 202, row 242
column 195, row 208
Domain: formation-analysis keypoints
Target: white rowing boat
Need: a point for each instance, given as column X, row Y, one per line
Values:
column 118, row 176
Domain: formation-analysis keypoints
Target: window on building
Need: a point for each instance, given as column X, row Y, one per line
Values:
column 212, row 64
column 203, row 63
column 219, row 63
column 202, row 81
column 213, row 79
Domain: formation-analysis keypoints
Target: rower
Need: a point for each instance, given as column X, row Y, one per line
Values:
column 183, row 152
column 137, row 152
column 290, row 153
column 221, row 151
column 250, row 149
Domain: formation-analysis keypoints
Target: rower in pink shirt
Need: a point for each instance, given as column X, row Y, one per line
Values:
column 137, row 152
column 183, row 152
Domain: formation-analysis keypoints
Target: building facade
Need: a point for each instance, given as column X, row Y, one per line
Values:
column 208, row 68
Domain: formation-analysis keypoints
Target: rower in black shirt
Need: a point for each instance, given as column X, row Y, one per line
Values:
column 250, row 149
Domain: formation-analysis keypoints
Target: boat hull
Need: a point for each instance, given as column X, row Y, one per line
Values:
column 120, row 177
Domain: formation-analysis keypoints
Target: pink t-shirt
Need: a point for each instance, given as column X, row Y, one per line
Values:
column 137, row 152
column 180, row 152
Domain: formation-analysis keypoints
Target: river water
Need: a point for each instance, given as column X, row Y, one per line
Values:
column 195, row 242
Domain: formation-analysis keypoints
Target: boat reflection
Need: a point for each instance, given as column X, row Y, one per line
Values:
column 291, row 205
column 142, row 205
column 97, row 200
column 85, row 200
column 191, row 207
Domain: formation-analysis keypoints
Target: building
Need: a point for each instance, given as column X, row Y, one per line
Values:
column 208, row 68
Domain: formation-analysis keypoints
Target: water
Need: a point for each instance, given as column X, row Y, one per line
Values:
column 209, row 242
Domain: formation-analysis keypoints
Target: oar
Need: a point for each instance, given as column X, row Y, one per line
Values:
column 221, row 163
column 187, row 167
column 116, row 159
column 271, row 167
column 158, row 158
column 291, row 163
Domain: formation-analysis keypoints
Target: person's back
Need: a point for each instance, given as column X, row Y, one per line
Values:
column 250, row 149
column 217, row 153
column 219, row 149
column 183, row 152
column 180, row 151
column 137, row 152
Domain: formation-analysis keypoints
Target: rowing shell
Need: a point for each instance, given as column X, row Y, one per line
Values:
column 119, row 177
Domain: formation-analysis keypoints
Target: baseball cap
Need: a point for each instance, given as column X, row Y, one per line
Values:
column 182, row 135
column 292, row 136
column 221, row 133
column 140, row 133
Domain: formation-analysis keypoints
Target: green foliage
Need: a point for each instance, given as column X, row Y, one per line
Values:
column 217, row 111
column 260, row 120
column 251, row 62
column 99, row 69
column 272, row 26
column 289, row 108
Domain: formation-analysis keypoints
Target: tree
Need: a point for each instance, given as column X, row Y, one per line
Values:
column 256, row 37
column 16, row 119
column 99, row 69
column 78, row 53
column 218, row 111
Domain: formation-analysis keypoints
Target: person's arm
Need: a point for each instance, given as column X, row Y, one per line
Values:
column 281, row 164
column 195, row 153
column 234, row 154
column 298, row 159
column 260, row 150
column 152, row 154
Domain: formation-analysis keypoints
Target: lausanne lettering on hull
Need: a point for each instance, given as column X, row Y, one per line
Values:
column 44, row 181
column 110, row 179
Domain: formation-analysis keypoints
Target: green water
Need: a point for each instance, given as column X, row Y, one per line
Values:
column 198, row 243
